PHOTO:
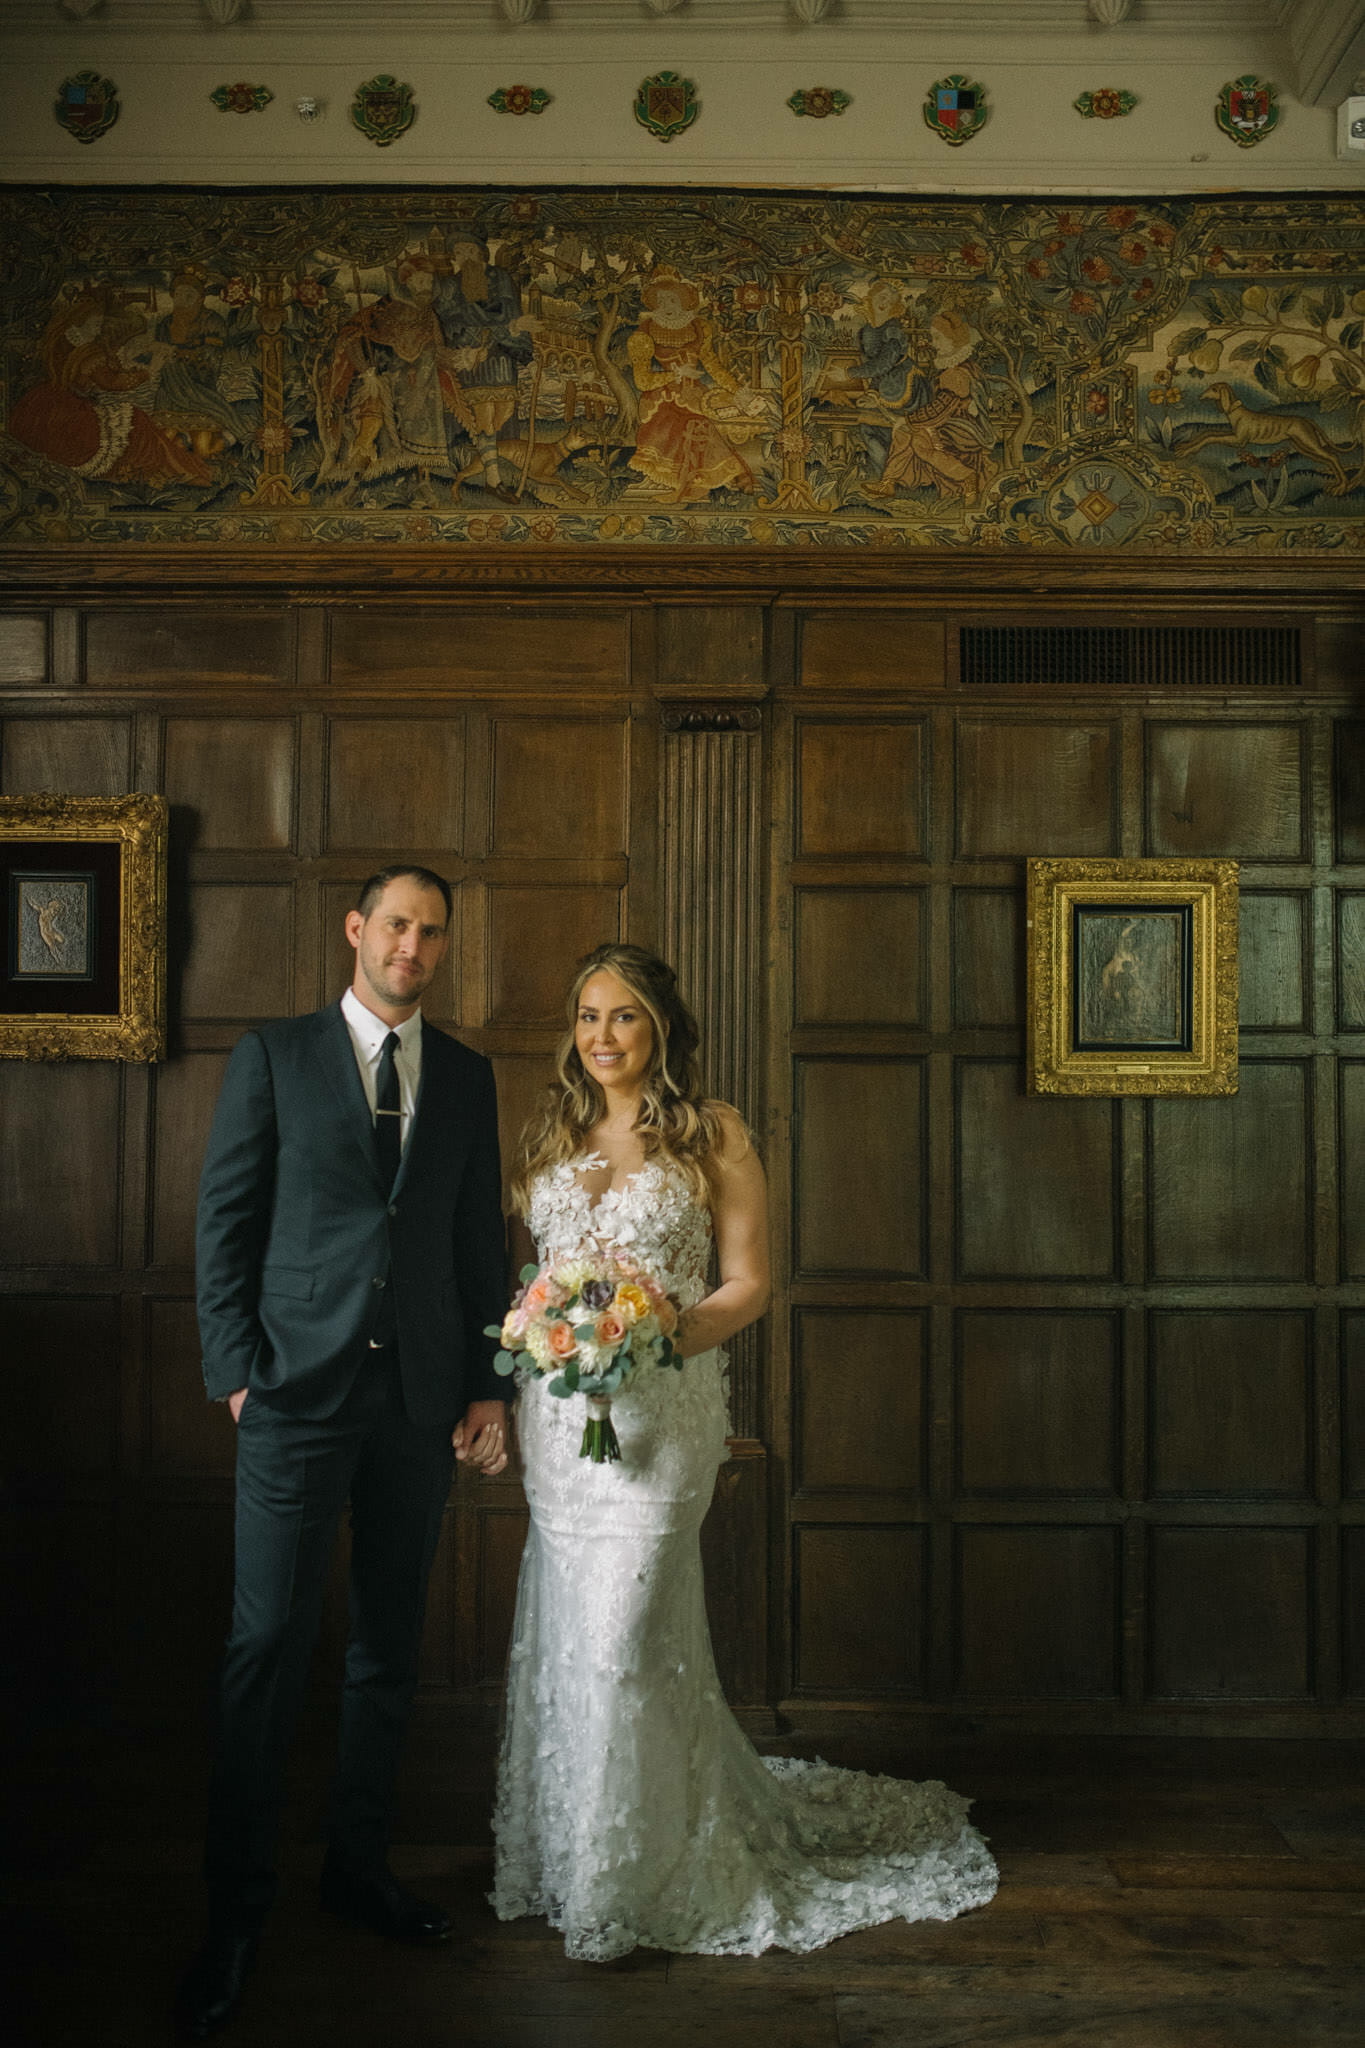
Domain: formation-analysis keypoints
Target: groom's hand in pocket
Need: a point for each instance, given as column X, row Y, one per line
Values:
column 480, row 1437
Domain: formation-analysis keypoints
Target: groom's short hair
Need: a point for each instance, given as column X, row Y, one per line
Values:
column 425, row 878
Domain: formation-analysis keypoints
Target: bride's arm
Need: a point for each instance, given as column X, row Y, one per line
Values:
column 521, row 1250
column 739, row 1212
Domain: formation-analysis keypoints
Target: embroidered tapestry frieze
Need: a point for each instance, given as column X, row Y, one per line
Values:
column 678, row 366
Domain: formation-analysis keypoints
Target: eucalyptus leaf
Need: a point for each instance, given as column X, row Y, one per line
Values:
column 560, row 1387
column 527, row 1275
column 571, row 1376
column 492, row 1329
column 504, row 1362
column 584, row 1331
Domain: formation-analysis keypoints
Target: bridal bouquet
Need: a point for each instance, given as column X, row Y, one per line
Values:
column 591, row 1320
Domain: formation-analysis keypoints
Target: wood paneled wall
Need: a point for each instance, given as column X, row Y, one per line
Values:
column 1065, row 1376
column 1061, row 1406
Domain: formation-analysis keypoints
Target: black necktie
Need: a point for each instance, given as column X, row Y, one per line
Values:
column 388, row 1121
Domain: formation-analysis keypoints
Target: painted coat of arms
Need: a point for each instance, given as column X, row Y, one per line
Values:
column 242, row 98
column 1247, row 110
column 87, row 105
column 956, row 108
column 1105, row 103
column 666, row 104
column 520, row 99
column 383, row 109
column 819, row 101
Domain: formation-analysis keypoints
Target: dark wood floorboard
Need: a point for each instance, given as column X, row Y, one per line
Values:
column 1154, row 1894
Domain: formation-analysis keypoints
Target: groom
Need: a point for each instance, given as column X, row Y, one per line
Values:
column 350, row 1252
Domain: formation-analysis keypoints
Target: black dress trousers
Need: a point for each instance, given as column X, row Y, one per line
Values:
column 294, row 1476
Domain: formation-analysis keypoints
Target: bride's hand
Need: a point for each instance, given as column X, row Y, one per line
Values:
column 481, row 1437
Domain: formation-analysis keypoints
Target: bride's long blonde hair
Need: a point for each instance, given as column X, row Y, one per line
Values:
column 676, row 1122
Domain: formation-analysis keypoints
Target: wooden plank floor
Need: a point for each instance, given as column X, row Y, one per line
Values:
column 1155, row 1894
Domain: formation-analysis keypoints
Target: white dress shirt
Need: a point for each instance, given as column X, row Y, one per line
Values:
column 368, row 1033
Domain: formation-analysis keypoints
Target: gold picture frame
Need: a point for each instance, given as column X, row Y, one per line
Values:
column 83, row 907
column 1132, row 977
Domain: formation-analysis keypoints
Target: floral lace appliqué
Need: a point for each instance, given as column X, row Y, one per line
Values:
column 631, row 1808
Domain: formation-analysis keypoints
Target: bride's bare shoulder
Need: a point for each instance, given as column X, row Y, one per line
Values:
column 735, row 1139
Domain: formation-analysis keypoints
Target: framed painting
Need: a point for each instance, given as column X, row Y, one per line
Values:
column 1132, row 977
column 83, row 903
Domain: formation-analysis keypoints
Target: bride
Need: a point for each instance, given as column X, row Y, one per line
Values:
column 631, row 1809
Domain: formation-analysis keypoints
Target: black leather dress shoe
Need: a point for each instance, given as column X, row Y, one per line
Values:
column 377, row 1900
column 211, row 1989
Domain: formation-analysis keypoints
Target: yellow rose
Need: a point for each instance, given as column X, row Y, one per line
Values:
column 632, row 1303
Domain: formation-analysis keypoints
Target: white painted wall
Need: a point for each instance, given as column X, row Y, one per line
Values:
column 169, row 131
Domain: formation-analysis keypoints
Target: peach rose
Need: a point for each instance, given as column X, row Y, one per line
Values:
column 562, row 1341
column 609, row 1328
column 536, row 1295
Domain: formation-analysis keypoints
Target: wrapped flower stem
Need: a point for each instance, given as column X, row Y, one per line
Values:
column 599, row 1434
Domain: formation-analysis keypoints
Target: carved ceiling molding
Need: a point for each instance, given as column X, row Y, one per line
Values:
column 1327, row 41
column 963, row 19
column 1324, row 40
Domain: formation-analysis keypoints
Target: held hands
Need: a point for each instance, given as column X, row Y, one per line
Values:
column 480, row 1437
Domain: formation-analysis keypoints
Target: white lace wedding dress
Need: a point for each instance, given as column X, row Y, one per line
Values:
column 631, row 1809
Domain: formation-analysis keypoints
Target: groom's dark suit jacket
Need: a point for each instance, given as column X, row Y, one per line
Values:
column 298, row 1237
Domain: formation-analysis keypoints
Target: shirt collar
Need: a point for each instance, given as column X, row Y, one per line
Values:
column 372, row 1030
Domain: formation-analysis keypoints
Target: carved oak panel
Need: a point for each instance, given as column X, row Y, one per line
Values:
column 859, row 790
column 1231, row 1616
column 559, row 788
column 61, row 1386
column 234, row 778
column 1035, row 1179
column 860, row 1609
column 396, row 783
column 859, row 956
column 1225, row 789
column 1034, row 788
column 1039, row 1401
column 1036, row 1612
column 69, row 756
column 877, row 1442
column 1231, row 1404
column 860, row 1166
column 60, row 1153
column 1229, row 1179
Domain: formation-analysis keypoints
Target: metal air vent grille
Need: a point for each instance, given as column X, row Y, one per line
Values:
column 1132, row 657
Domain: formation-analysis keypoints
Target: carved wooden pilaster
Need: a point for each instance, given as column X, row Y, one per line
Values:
column 711, row 792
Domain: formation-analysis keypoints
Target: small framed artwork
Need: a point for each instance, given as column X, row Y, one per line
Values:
column 1132, row 977
column 83, row 903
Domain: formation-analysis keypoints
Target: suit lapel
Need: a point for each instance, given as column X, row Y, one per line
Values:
column 337, row 1060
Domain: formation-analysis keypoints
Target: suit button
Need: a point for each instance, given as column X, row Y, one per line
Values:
column 393, row 1208
column 376, row 1283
